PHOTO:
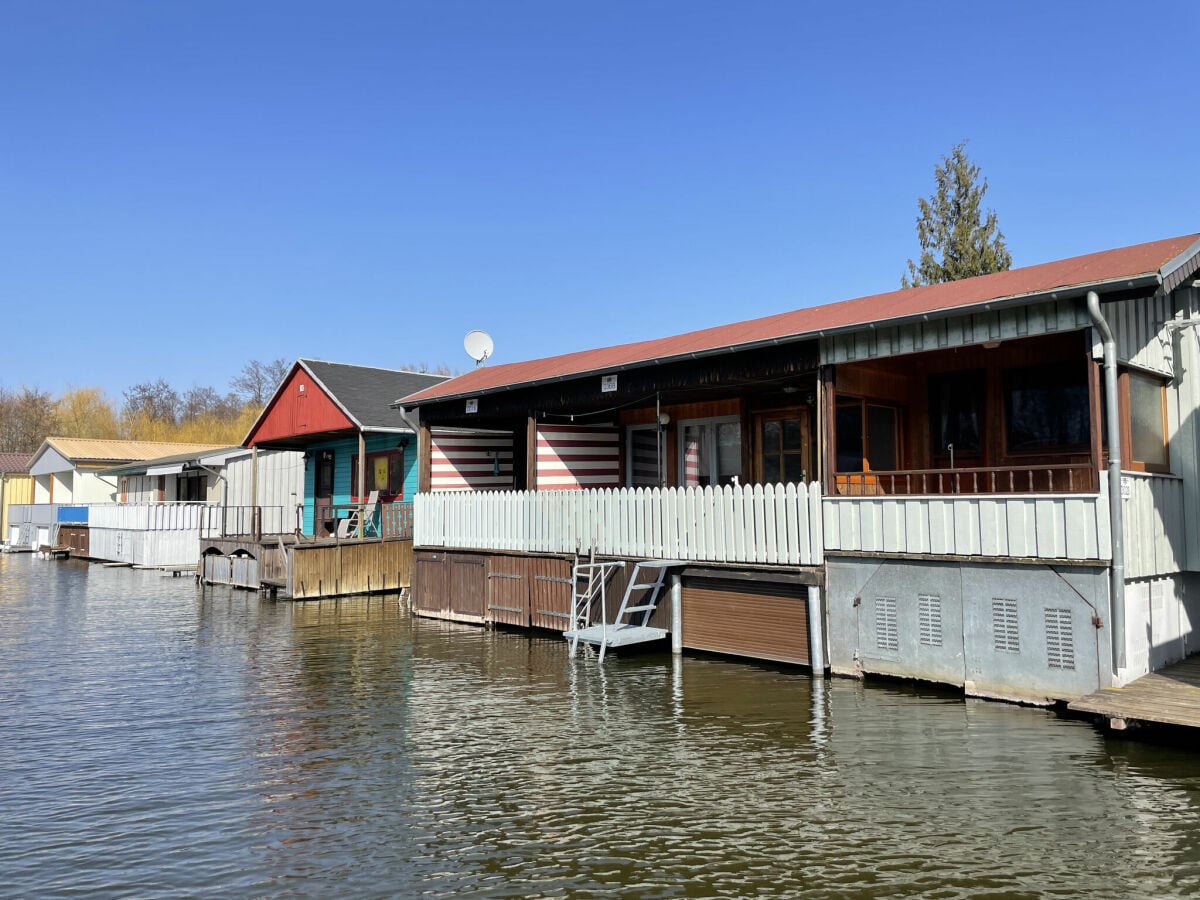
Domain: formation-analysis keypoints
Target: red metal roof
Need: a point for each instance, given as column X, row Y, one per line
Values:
column 1076, row 273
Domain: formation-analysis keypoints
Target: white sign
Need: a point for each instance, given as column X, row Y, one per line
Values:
column 473, row 405
column 1126, row 487
column 608, row 383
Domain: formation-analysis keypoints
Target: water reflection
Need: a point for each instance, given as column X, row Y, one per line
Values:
column 159, row 740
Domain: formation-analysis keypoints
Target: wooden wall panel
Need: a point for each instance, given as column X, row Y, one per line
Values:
column 468, row 586
column 508, row 590
column 551, row 587
column 429, row 583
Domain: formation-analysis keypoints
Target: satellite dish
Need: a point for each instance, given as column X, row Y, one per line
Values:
column 478, row 345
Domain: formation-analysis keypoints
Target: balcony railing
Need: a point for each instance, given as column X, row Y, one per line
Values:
column 1071, row 478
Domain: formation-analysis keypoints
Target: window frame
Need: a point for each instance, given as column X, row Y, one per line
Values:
column 864, row 404
column 1012, row 372
column 1125, row 405
column 384, row 496
column 713, row 450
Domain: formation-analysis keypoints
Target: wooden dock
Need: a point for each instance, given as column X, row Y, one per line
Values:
column 1170, row 696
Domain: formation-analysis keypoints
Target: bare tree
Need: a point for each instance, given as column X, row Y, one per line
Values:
column 27, row 417
column 258, row 380
column 154, row 400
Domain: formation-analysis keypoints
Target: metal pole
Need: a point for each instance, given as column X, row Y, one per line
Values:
column 816, row 632
column 676, row 613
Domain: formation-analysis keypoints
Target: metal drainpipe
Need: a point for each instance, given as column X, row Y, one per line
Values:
column 1115, row 513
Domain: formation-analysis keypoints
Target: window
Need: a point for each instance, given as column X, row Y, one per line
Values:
column 385, row 473
column 644, row 455
column 190, row 488
column 1145, row 399
column 710, row 452
column 783, row 447
column 868, row 436
column 956, row 412
column 1046, row 409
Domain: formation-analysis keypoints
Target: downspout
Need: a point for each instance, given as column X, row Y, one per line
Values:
column 1115, row 513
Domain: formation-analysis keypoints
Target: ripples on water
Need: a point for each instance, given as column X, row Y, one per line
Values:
column 157, row 741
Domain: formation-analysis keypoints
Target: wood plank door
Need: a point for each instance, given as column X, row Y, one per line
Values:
column 323, row 494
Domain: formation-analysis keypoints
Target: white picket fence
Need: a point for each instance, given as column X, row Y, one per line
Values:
column 147, row 516
column 768, row 524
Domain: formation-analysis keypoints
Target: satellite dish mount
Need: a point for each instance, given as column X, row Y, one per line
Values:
column 478, row 345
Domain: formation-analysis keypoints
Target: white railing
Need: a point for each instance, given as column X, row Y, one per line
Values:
column 33, row 513
column 768, row 524
column 146, row 516
column 1020, row 526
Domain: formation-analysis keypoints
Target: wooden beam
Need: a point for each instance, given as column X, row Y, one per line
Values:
column 826, row 416
column 531, row 453
column 424, row 457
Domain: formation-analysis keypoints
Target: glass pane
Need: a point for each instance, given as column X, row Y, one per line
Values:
column 771, row 468
column 1146, row 420
column 793, row 437
column 695, row 457
column 770, row 437
column 377, row 474
column 956, row 411
column 881, row 438
column 396, row 473
column 793, row 469
column 849, row 438
column 729, row 452
column 1046, row 409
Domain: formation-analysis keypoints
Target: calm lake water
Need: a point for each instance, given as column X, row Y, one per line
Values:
column 159, row 741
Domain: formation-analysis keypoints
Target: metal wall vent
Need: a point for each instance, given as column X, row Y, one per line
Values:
column 887, row 634
column 929, row 619
column 1060, row 639
column 1005, row 635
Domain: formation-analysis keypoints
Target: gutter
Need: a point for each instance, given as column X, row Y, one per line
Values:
column 1116, row 592
column 1152, row 279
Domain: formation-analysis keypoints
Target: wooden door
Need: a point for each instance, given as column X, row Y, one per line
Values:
column 323, row 494
column 784, row 447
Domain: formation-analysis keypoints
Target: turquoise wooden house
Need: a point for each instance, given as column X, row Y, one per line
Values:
column 355, row 444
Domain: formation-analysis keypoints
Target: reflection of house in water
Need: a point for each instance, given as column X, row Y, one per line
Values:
column 933, row 482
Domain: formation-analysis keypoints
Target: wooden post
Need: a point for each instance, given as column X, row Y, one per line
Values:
column 424, row 458
column 531, row 453
column 826, row 414
column 361, row 479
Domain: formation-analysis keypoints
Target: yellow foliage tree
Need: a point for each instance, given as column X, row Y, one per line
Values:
column 86, row 413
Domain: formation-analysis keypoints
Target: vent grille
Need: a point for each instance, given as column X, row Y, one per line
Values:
column 1060, row 640
column 887, row 636
column 1005, row 635
column 929, row 617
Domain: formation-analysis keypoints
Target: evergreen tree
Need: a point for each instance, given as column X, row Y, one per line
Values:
column 957, row 241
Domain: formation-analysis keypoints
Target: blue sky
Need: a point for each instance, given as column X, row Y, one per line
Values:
column 185, row 186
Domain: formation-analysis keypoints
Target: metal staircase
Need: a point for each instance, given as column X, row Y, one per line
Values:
column 640, row 600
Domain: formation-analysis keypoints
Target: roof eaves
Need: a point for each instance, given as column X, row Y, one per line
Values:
column 1181, row 268
column 1059, row 293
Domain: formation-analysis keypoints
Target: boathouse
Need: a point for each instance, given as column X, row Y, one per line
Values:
column 16, row 486
column 71, row 474
column 990, row 483
column 354, row 525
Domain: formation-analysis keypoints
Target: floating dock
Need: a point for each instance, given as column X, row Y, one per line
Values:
column 1170, row 696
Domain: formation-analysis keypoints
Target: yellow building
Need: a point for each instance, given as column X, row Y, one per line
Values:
column 16, row 485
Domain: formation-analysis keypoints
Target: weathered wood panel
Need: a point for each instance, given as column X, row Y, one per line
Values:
column 762, row 620
column 75, row 538
column 429, row 583
column 468, row 586
column 351, row 568
column 508, row 590
column 551, row 587
column 1059, row 526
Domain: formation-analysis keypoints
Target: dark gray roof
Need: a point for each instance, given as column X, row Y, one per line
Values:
column 366, row 394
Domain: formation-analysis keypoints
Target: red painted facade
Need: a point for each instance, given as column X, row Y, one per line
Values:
column 298, row 408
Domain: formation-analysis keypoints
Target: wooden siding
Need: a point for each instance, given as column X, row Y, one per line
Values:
column 470, row 462
column 429, row 589
column 1059, row 526
column 1154, row 532
column 1138, row 327
column 551, row 587
column 75, row 538
column 574, row 457
column 768, row 524
column 762, row 620
column 352, row 568
column 958, row 331
column 299, row 407
column 508, row 590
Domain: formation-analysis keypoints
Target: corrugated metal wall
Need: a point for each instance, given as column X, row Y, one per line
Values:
column 280, row 479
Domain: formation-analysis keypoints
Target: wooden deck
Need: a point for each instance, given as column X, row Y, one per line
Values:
column 1170, row 696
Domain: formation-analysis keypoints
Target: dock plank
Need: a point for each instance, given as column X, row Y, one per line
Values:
column 1170, row 696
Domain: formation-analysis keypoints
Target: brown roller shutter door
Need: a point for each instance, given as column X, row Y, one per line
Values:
column 761, row 620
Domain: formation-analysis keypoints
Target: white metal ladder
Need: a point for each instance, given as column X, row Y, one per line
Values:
column 622, row 631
